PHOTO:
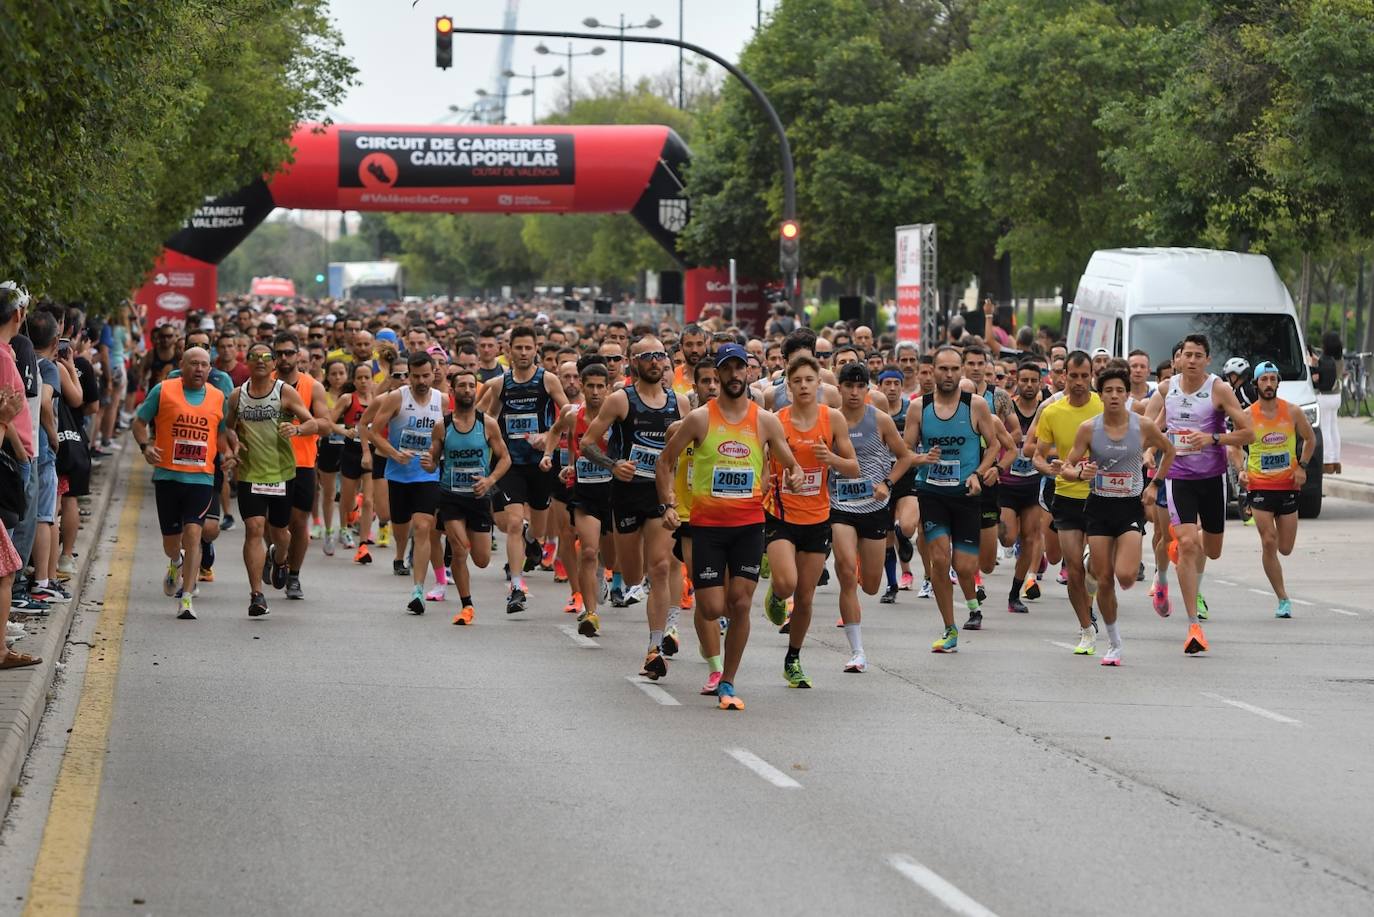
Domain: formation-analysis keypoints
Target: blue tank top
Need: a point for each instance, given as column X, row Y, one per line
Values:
column 900, row 417
column 526, row 409
column 960, row 448
column 413, row 428
column 781, row 396
column 641, row 436
column 855, row 495
column 466, row 457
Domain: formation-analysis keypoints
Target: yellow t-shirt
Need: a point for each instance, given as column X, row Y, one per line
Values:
column 1059, row 423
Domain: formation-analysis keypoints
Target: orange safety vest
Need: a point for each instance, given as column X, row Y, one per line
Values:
column 187, row 434
column 307, row 448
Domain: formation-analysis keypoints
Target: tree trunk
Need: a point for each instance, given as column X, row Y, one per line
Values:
column 1305, row 292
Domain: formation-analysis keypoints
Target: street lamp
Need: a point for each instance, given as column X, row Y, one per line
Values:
column 652, row 22
column 542, row 48
column 534, row 79
column 502, row 97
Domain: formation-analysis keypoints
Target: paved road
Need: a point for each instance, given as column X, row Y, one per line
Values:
column 344, row 757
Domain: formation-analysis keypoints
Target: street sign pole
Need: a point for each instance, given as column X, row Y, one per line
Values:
column 734, row 288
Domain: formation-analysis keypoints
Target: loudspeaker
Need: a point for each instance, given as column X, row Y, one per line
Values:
column 603, row 305
column 849, row 308
column 670, row 288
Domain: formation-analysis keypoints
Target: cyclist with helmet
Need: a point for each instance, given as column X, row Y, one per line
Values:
column 1236, row 371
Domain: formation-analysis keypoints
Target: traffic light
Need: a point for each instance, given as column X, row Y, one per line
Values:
column 789, row 247
column 319, row 278
column 443, row 42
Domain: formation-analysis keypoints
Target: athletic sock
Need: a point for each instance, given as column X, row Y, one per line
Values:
column 616, row 581
column 715, row 664
column 856, row 640
column 793, row 654
column 890, row 567
column 466, row 600
column 295, row 572
column 517, row 582
column 1113, row 634
column 1016, row 586
column 655, row 639
column 972, row 604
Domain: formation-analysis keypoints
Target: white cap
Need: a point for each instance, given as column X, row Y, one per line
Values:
column 207, row 324
column 1101, row 352
column 541, row 319
column 270, row 318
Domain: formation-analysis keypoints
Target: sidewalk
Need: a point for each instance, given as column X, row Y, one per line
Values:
column 1356, row 480
column 24, row 692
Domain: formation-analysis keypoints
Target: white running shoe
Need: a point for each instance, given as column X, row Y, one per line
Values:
column 635, row 594
column 437, row 594
column 173, row 577
column 927, row 591
column 1113, row 656
column 15, row 630
column 346, row 540
column 857, row 663
column 1087, row 643
column 328, row 546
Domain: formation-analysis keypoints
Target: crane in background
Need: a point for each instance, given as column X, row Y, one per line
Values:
column 491, row 109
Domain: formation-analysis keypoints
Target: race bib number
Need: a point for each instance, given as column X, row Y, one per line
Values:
column 589, row 472
column 1275, row 461
column 463, row 480
column 645, row 459
column 564, row 457
column 810, row 484
column 853, row 490
column 275, row 489
column 416, row 440
column 1114, row 484
column 732, row 483
column 190, row 453
column 944, row 474
column 1022, row 467
column 1181, row 445
column 337, row 439
column 521, row 426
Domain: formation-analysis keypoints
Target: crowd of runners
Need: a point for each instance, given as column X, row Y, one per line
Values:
column 673, row 468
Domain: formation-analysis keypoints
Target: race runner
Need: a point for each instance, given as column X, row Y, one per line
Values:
column 286, row 349
column 590, row 505
column 1019, row 492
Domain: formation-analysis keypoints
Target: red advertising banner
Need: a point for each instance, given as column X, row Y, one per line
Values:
column 706, row 292
column 909, row 282
column 177, row 286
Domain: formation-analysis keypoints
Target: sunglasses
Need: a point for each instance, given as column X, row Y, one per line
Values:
column 317, row 335
column 317, row 356
column 652, row 355
column 260, row 357
column 398, row 375
column 615, row 359
column 285, row 353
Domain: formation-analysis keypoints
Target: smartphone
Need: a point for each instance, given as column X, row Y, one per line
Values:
column 64, row 349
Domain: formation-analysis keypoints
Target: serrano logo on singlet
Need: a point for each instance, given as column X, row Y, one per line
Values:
column 1275, row 438
column 733, row 448
column 945, row 440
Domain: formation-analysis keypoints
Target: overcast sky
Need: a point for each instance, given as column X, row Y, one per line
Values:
column 392, row 45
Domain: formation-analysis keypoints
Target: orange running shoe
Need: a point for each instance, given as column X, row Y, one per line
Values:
column 560, row 572
column 207, row 574
column 363, row 556
column 465, row 616
column 689, row 595
column 1197, row 643
column 574, row 606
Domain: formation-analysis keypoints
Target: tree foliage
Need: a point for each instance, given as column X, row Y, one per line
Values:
column 117, row 117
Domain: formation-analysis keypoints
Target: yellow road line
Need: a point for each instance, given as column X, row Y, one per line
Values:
column 60, row 873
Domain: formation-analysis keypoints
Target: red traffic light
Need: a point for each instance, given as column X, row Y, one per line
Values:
column 789, row 230
column 443, row 25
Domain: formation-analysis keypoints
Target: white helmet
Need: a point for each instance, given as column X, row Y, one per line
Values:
column 1238, row 366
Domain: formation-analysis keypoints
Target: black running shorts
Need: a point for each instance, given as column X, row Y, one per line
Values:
column 957, row 518
column 1114, row 516
column 528, row 486
column 410, row 497
column 633, row 504
column 807, row 539
column 1278, row 502
column 1199, row 500
column 473, row 512
column 718, row 549
column 180, row 504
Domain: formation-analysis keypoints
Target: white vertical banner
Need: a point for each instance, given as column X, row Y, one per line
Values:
column 909, row 282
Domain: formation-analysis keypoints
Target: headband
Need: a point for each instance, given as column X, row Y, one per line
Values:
column 891, row 374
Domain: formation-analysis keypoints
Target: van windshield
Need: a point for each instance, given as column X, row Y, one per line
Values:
column 1255, row 336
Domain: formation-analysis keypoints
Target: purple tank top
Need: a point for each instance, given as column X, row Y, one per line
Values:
column 1184, row 411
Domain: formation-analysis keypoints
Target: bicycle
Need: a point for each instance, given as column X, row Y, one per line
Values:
column 1355, row 387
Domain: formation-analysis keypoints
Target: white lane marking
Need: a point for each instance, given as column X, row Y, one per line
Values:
column 1302, row 602
column 1261, row 592
column 1251, row 708
column 1067, row 646
column 587, row 643
column 1348, row 614
column 763, row 768
column 940, row 888
column 659, row 695
column 1224, row 582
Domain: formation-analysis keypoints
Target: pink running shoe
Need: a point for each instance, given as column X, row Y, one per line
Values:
column 712, row 684
column 437, row 594
column 1160, row 600
column 1063, row 577
column 905, row 582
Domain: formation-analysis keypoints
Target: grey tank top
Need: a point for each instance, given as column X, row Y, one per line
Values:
column 1119, row 461
column 855, row 495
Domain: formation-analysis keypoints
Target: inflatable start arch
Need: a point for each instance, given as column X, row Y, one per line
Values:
column 635, row 169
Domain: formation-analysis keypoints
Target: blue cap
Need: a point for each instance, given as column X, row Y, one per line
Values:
column 386, row 334
column 1267, row 367
column 732, row 352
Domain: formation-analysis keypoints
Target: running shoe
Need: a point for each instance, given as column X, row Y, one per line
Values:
column 712, row 685
column 617, row 596
column 1087, row 643
column 588, row 623
column 280, row 574
column 635, row 594
column 316, row 531
column 796, row 677
column 724, row 627
column 1063, row 577
column 53, row 594
column 207, row 574
column 546, row 562
column 560, row 572
column 384, row 536
column 1017, row 607
column 981, row 592
column 257, row 605
column 689, row 595
column 889, row 596
column 574, row 605
column 905, row 581
column 293, row 587
column 400, row 568
column 1159, row 598
column 905, row 549
column 1032, row 590
column 1140, row 574
column 825, row 578
column 66, row 567
column 417, row 601
column 765, row 569
column 858, row 664
column 346, row 540
column 773, row 607
column 1113, row 656
column 1197, row 642
column 927, row 590
column 728, row 701
column 655, row 666
column 953, row 576
column 1042, row 566
column 28, row 605
column 515, row 602
column 465, row 616
column 1285, row 609
column 786, row 627
column 672, row 641
column 169, row 581
column 1201, row 607
column 948, row 641
column 363, row 556
column 437, row 594
column 534, row 552
column 227, row 522
column 328, row 546
column 975, row 621
column 187, row 612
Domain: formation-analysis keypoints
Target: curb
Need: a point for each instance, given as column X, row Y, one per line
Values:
column 24, row 693
column 1349, row 489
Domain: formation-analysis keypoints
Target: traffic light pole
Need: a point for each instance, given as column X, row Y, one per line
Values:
column 789, row 182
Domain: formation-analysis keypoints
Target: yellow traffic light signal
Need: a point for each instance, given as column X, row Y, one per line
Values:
column 443, row 42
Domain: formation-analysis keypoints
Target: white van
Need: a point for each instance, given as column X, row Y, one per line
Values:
column 1149, row 298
